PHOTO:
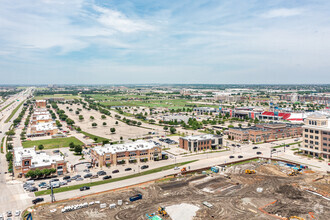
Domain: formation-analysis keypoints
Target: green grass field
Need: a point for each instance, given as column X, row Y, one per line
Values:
column 75, row 187
column 53, row 143
column 92, row 136
column 65, row 96
column 2, row 144
column 13, row 112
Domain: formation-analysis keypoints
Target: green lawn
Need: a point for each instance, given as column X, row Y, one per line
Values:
column 65, row 96
column 2, row 143
column 13, row 112
column 74, row 187
column 92, row 136
column 7, row 106
column 286, row 144
column 53, row 143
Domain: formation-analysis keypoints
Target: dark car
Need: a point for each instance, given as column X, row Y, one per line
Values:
column 66, row 177
column 106, row 177
column 231, row 157
column 258, row 152
column 88, row 175
column 94, row 176
column 115, row 171
column 101, row 173
column 37, row 200
column 273, row 150
column 128, row 169
column 54, row 180
column 255, row 147
column 84, row 188
column 240, row 156
column 89, row 166
column 144, row 167
column 33, row 189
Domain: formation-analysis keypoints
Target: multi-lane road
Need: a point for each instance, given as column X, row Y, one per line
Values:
column 12, row 195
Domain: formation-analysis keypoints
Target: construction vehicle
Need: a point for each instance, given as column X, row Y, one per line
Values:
column 184, row 169
column 294, row 173
column 296, row 218
column 250, row 171
column 161, row 211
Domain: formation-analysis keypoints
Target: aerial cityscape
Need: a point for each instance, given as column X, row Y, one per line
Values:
column 164, row 110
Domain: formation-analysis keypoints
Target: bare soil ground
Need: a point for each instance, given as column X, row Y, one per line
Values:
column 233, row 197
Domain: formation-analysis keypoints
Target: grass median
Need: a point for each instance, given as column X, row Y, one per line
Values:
column 53, row 143
column 74, row 187
column 2, row 142
column 287, row 144
column 92, row 136
column 13, row 112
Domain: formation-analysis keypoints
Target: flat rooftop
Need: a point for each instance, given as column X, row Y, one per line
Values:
column 119, row 148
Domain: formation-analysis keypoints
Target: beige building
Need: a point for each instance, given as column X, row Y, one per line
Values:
column 316, row 136
column 41, row 103
column 135, row 152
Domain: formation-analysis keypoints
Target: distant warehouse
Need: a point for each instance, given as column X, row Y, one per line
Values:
column 201, row 142
column 138, row 151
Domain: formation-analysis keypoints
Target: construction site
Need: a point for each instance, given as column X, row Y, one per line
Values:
column 254, row 190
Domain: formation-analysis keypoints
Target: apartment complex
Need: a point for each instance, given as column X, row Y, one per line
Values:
column 265, row 132
column 138, row 151
column 201, row 142
column 26, row 159
column 316, row 136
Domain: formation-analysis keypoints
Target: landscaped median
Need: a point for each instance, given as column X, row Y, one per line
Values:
column 74, row 187
column 13, row 112
column 92, row 136
column 287, row 144
column 53, row 143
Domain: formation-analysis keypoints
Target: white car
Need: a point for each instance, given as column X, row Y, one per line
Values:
column 176, row 168
column 18, row 213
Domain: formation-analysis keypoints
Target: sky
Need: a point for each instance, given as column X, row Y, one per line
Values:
column 152, row 41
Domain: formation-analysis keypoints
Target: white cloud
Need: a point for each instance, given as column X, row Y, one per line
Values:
column 282, row 12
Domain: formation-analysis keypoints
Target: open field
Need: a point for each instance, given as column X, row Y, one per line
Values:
column 65, row 96
column 233, row 195
column 75, row 187
column 52, row 143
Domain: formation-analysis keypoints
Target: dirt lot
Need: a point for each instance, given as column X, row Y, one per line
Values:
column 234, row 195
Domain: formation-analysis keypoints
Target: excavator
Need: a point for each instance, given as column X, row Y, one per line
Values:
column 250, row 171
column 161, row 211
column 184, row 169
column 294, row 173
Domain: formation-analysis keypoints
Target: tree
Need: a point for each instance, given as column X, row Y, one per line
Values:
column 71, row 145
column 218, row 132
column 92, row 118
column 94, row 124
column 78, row 149
column 10, row 133
column 113, row 130
column 172, row 130
column 9, row 156
column 40, row 147
column 38, row 173
column 239, row 125
column 46, row 172
column 30, row 174
column 103, row 117
column 165, row 128
column 104, row 123
column 81, row 117
column 116, row 123
column 52, row 170
column 121, row 138
column 139, row 123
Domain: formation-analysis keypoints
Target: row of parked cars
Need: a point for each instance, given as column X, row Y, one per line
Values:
column 168, row 141
column 10, row 215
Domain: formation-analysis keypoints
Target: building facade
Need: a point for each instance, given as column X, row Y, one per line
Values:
column 316, row 136
column 26, row 159
column 201, row 142
column 265, row 132
column 136, row 152
column 41, row 103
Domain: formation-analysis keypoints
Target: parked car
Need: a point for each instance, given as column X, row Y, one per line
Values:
column 42, row 184
column 115, row 171
column 37, row 200
column 89, row 166
column 144, row 167
column 86, row 170
column 75, row 177
column 33, row 189
column 63, row 183
column 101, row 173
column 84, row 188
column 231, row 157
column 259, row 152
column 94, row 176
column 9, row 214
column 66, row 177
column 176, row 168
column 106, row 177
column 255, row 147
column 1, row 217
column 128, row 169
column 136, row 197
column 17, row 213
column 240, row 156
column 79, row 179
column 54, row 180
column 88, row 175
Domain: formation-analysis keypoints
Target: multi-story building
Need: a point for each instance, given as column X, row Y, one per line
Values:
column 316, row 136
column 41, row 103
column 26, row 159
column 201, row 142
column 41, row 123
column 265, row 132
column 202, row 110
column 135, row 152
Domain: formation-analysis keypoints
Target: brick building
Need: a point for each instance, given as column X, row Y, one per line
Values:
column 138, row 151
column 26, row 159
column 41, row 103
column 316, row 136
column 266, row 132
column 201, row 142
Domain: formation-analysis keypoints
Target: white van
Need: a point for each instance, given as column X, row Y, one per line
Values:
column 30, row 182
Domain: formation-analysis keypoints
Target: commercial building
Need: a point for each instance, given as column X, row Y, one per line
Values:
column 316, row 136
column 265, row 132
column 41, row 103
column 202, row 110
column 135, row 152
column 26, row 159
column 41, row 123
column 201, row 142
column 177, row 118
